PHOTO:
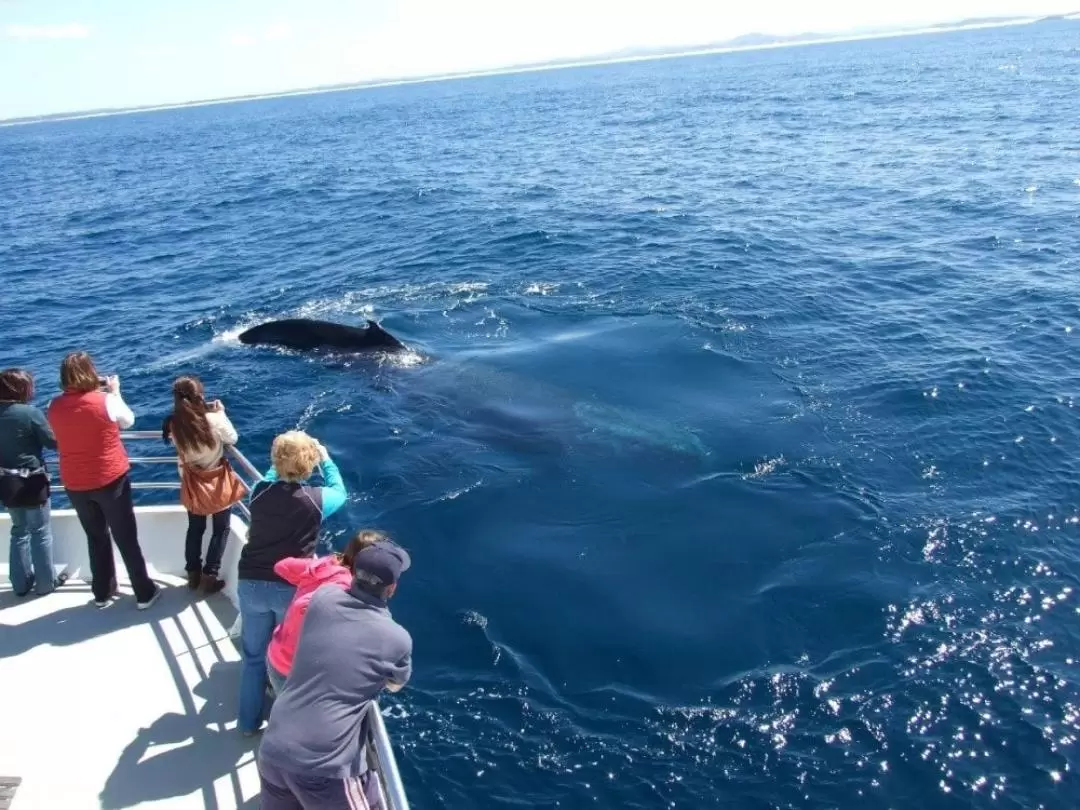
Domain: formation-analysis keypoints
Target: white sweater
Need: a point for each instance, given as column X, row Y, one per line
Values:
column 224, row 433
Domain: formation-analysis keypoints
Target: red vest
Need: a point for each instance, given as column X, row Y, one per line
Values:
column 91, row 452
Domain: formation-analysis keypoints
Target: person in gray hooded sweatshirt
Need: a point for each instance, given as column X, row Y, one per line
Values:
column 350, row 649
column 24, row 485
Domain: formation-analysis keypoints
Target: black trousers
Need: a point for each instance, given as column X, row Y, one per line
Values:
column 219, row 532
column 111, row 510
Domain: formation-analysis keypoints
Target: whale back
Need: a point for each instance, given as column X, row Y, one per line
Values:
column 304, row 334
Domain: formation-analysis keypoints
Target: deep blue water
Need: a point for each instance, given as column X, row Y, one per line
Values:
column 741, row 467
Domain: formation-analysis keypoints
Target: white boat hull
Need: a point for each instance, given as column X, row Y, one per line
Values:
column 161, row 535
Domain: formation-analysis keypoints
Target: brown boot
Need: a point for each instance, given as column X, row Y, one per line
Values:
column 193, row 579
column 210, row 584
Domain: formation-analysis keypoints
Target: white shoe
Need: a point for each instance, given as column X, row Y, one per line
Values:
column 150, row 601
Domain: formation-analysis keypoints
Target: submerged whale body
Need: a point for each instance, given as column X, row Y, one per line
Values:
column 304, row 334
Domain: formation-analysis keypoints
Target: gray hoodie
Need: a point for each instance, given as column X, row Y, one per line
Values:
column 350, row 648
column 24, row 436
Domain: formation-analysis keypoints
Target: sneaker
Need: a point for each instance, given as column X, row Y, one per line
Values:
column 150, row 601
column 113, row 593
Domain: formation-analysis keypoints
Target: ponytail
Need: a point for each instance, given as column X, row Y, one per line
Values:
column 189, row 427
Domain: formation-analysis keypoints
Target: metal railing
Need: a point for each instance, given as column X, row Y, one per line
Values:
column 250, row 472
column 379, row 750
column 389, row 777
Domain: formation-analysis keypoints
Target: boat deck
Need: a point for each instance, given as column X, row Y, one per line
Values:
column 118, row 708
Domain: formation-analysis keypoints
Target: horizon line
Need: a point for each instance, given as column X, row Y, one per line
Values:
column 599, row 61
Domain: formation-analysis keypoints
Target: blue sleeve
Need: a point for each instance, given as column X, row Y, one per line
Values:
column 269, row 477
column 333, row 494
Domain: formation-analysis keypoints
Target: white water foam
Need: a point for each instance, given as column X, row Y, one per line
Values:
column 180, row 358
column 247, row 321
column 454, row 494
column 406, row 359
column 766, row 467
column 230, row 337
column 541, row 288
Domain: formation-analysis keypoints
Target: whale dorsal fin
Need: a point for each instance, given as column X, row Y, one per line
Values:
column 389, row 339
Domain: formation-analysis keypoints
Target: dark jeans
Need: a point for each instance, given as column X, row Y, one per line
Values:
column 285, row 790
column 110, row 510
column 219, row 533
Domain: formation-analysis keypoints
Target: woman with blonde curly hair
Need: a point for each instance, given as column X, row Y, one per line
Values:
column 286, row 515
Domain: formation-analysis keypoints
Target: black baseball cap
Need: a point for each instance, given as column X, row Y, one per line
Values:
column 381, row 564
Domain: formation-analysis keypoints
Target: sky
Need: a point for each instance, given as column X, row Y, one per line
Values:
column 70, row 55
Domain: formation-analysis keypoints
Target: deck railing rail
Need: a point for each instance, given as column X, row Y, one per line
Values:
column 380, row 753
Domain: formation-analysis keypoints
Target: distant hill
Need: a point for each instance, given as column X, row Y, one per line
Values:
column 762, row 40
column 750, row 41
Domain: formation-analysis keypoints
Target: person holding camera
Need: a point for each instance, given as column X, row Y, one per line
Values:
column 87, row 419
column 286, row 516
column 200, row 431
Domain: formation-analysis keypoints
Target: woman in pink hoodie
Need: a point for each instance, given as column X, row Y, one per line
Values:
column 309, row 574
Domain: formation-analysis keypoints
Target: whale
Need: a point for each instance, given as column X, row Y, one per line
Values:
column 304, row 334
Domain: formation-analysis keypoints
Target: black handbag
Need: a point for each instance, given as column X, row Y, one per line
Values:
column 24, row 489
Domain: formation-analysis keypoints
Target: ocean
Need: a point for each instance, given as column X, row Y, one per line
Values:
column 738, row 451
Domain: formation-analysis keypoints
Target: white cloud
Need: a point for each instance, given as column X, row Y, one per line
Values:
column 63, row 31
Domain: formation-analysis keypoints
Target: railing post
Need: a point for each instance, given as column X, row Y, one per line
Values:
column 395, row 790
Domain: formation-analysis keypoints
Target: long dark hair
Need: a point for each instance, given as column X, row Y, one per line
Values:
column 189, row 428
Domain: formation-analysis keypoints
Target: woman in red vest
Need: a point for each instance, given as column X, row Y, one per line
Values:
column 94, row 466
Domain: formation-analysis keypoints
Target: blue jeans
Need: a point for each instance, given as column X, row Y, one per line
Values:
column 262, row 608
column 31, row 539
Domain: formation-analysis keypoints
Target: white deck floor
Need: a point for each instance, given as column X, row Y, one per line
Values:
column 121, row 708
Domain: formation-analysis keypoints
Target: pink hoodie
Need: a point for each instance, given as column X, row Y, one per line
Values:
column 308, row 575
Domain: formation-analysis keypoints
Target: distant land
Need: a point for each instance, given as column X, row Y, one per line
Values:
column 745, row 42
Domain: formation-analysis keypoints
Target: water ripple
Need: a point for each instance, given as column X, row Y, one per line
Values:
column 737, row 453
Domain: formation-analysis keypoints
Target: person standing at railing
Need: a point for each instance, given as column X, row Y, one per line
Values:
column 24, row 485
column 286, row 516
column 308, row 575
column 312, row 755
column 200, row 431
column 87, row 418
